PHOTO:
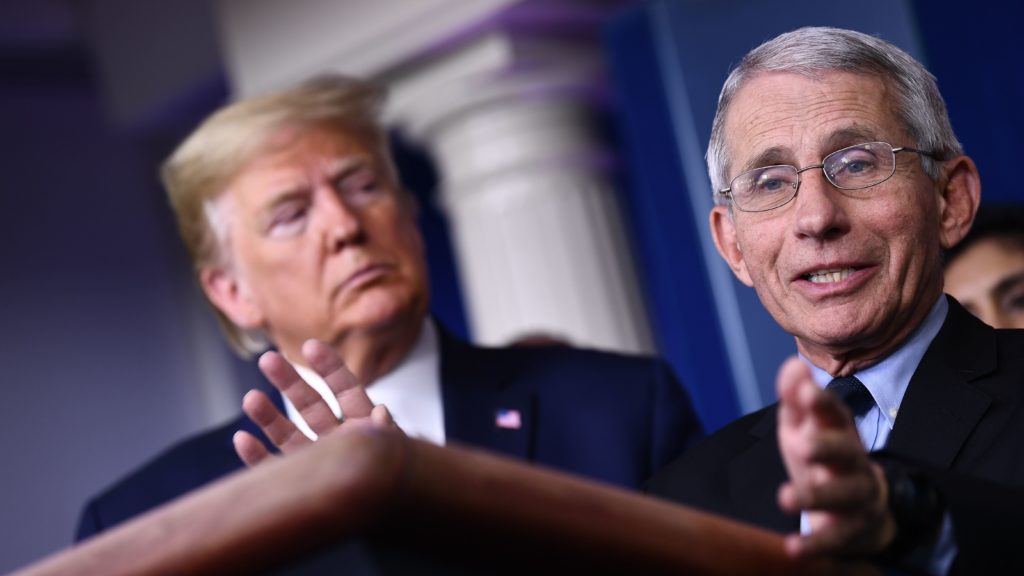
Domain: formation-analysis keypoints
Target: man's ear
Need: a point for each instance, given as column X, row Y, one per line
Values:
column 723, row 230
column 229, row 295
column 959, row 200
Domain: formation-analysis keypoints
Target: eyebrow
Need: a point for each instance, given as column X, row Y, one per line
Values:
column 344, row 167
column 849, row 137
column 770, row 157
column 835, row 141
column 339, row 168
column 1008, row 283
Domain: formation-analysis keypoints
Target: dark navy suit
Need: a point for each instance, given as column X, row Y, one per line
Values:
column 961, row 422
column 605, row 416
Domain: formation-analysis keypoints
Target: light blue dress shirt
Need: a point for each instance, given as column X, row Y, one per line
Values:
column 888, row 380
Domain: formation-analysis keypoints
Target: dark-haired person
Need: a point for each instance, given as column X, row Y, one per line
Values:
column 985, row 271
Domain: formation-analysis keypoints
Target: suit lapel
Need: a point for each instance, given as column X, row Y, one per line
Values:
column 755, row 476
column 482, row 406
column 941, row 408
column 939, row 413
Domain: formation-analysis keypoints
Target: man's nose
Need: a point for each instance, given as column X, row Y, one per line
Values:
column 341, row 223
column 820, row 208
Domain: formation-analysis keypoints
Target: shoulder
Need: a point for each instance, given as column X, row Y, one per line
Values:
column 617, row 390
column 1010, row 351
column 704, row 467
column 965, row 346
column 181, row 468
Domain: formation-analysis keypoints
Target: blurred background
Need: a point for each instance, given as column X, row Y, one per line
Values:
column 556, row 147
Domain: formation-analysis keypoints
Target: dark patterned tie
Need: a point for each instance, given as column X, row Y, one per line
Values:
column 853, row 393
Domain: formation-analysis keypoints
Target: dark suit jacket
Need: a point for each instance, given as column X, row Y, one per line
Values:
column 961, row 421
column 611, row 417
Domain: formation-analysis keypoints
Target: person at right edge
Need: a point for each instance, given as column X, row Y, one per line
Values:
column 985, row 271
column 899, row 434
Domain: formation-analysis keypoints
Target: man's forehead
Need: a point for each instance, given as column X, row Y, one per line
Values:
column 776, row 116
column 272, row 176
column 822, row 144
column 293, row 158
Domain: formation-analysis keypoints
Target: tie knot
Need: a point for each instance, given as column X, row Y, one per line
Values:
column 853, row 393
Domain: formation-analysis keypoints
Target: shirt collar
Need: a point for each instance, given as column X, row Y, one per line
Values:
column 888, row 380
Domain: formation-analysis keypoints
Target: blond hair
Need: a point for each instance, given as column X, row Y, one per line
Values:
column 200, row 169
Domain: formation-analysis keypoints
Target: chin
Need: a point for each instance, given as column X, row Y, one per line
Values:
column 840, row 331
column 381, row 312
column 831, row 328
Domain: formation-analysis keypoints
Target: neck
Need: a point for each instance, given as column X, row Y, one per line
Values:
column 846, row 360
column 372, row 355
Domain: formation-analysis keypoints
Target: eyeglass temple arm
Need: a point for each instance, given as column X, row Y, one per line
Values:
column 931, row 155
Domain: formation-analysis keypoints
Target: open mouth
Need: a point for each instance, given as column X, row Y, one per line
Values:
column 828, row 276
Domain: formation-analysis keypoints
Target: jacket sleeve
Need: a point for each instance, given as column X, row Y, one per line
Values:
column 89, row 522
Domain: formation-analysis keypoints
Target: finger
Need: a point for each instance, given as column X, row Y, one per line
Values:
column 380, row 416
column 792, row 375
column 796, row 427
column 249, row 448
column 839, row 449
column 281, row 432
column 350, row 393
column 823, row 540
column 812, row 544
column 307, row 401
column 787, row 498
column 846, row 494
column 800, row 397
column 856, row 535
column 794, row 546
column 829, row 410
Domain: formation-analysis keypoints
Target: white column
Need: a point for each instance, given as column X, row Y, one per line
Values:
column 526, row 186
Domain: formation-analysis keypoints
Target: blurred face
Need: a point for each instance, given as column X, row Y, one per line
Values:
column 988, row 279
column 321, row 242
column 849, row 277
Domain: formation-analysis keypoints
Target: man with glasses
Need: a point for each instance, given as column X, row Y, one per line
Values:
column 839, row 184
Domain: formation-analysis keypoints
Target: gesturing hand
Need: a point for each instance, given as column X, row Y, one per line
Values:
column 830, row 474
column 356, row 407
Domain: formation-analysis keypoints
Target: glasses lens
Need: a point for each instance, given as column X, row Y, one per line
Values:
column 764, row 188
column 860, row 166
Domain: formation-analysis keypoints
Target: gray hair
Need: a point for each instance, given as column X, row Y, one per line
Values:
column 812, row 51
column 201, row 168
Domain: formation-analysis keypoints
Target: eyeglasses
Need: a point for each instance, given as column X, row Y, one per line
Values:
column 851, row 168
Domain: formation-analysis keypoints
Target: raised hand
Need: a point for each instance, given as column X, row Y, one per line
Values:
column 830, row 474
column 356, row 407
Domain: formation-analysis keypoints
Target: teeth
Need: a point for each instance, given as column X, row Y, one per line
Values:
column 834, row 275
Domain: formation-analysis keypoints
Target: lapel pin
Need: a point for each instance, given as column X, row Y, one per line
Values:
column 508, row 419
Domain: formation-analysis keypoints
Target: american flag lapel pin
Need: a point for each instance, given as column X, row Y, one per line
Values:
column 508, row 419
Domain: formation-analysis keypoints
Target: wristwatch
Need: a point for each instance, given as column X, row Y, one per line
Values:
column 916, row 506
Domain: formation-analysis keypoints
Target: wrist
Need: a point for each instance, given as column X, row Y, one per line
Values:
column 915, row 510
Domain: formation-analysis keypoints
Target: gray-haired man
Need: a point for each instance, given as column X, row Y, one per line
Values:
column 839, row 184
